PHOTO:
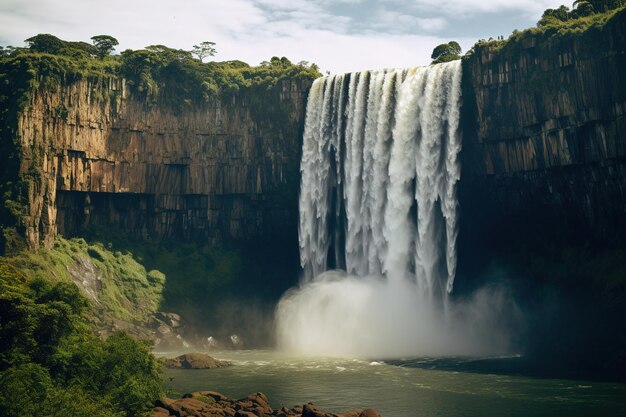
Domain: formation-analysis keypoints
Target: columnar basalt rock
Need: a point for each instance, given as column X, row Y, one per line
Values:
column 217, row 171
column 545, row 133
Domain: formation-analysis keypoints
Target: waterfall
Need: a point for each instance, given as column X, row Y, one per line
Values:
column 379, row 173
column 378, row 223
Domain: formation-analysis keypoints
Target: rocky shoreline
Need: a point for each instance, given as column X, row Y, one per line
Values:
column 214, row 404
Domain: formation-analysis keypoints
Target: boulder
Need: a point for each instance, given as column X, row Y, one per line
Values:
column 160, row 412
column 214, row 404
column 309, row 410
column 242, row 413
column 261, row 402
column 185, row 407
column 195, row 361
column 211, row 394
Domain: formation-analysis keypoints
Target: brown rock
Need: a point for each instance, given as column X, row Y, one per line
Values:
column 242, row 413
column 214, row 404
column 262, row 402
column 160, row 412
column 309, row 410
column 195, row 361
column 352, row 413
column 284, row 412
column 243, row 404
column 258, row 397
column 208, row 164
column 164, row 402
column 213, row 394
column 185, row 407
column 229, row 411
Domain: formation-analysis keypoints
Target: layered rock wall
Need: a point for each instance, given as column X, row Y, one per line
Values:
column 544, row 139
column 216, row 171
column 544, row 149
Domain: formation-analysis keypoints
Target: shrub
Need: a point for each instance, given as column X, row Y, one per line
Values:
column 51, row 362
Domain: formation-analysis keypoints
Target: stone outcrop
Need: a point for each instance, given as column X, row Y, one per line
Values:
column 195, row 361
column 214, row 404
column 216, row 171
column 544, row 146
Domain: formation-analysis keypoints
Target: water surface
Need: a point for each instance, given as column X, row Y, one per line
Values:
column 337, row 384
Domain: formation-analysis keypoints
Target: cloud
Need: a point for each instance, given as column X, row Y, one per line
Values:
column 398, row 22
column 454, row 7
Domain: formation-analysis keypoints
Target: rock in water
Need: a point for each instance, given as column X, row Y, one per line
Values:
column 195, row 361
column 213, row 404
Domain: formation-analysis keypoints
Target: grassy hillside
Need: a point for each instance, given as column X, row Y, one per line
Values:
column 53, row 364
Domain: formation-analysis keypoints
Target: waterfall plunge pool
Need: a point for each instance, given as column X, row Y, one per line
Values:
column 398, row 390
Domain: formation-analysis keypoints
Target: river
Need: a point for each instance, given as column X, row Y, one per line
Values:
column 339, row 384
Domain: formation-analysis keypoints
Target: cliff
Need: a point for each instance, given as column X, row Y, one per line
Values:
column 543, row 150
column 544, row 147
column 543, row 192
column 220, row 170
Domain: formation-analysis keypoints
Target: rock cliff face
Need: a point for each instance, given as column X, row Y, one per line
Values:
column 218, row 171
column 544, row 144
column 544, row 148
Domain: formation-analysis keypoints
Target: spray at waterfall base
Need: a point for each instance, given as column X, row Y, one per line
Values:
column 378, row 200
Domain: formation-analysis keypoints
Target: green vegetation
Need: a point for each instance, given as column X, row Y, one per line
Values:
column 115, row 279
column 187, row 273
column 166, row 276
column 446, row 52
column 51, row 362
column 583, row 9
column 105, row 44
column 165, row 74
column 563, row 22
column 204, row 50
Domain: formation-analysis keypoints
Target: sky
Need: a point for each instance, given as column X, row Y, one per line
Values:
column 337, row 35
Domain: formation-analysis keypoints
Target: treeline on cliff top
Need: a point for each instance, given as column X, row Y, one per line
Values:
column 154, row 70
column 563, row 21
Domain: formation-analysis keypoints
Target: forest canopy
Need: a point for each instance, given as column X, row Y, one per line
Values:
column 152, row 70
column 582, row 8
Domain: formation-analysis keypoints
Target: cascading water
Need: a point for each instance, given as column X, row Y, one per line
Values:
column 378, row 200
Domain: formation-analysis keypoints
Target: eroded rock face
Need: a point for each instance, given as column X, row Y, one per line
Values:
column 544, row 146
column 222, row 170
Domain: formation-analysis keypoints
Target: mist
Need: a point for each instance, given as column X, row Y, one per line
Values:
column 341, row 315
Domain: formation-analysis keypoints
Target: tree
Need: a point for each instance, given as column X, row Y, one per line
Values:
column 46, row 43
column 105, row 44
column 600, row 6
column 583, row 8
column 167, row 54
column 204, row 50
column 446, row 52
column 89, row 49
column 554, row 16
